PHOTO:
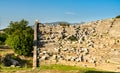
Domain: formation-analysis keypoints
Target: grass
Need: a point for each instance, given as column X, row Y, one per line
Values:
column 73, row 68
column 63, row 67
column 4, row 69
column 57, row 68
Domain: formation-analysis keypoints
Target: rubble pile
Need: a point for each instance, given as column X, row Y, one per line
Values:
column 97, row 42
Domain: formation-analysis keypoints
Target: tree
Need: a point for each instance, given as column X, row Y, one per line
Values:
column 117, row 16
column 20, row 37
column 64, row 24
column 2, row 38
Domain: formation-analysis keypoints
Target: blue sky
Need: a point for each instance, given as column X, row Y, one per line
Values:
column 57, row 10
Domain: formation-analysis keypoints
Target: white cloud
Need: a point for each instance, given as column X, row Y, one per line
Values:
column 70, row 13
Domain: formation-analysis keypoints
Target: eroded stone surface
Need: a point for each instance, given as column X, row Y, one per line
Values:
column 98, row 42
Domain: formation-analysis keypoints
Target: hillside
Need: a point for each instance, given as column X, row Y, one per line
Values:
column 97, row 44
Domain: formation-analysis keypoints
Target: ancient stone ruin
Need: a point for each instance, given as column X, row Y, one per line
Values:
column 94, row 42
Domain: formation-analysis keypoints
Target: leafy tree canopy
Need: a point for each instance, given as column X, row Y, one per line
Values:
column 2, row 38
column 20, row 37
column 117, row 16
column 63, row 24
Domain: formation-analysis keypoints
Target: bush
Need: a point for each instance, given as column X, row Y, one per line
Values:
column 11, row 59
column 20, row 37
column 2, row 38
column 2, row 43
column 117, row 16
column 7, row 60
column 64, row 24
column 72, row 38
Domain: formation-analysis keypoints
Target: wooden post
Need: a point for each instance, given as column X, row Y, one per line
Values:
column 35, row 51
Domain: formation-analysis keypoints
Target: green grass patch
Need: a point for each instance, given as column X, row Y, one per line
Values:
column 72, row 68
column 14, row 68
column 55, row 67
column 63, row 67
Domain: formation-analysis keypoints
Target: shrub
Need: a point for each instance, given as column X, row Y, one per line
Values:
column 20, row 37
column 11, row 59
column 117, row 16
column 72, row 38
column 2, row 38
column 64, row 24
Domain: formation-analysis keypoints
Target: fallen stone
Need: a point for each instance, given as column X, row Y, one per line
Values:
column 85, row 50
column 65, row 49
column 45, row 57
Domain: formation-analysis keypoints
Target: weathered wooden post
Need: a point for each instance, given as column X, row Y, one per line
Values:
column 35, row 51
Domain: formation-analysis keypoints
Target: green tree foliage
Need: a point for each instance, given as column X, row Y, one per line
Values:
column 117, row 16
column 2, row 38
column 20, row 37
column 64, row 24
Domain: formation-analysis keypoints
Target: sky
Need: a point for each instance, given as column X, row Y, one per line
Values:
column 73, row 11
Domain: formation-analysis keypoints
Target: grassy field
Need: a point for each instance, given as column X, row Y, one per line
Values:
column 55, row 68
